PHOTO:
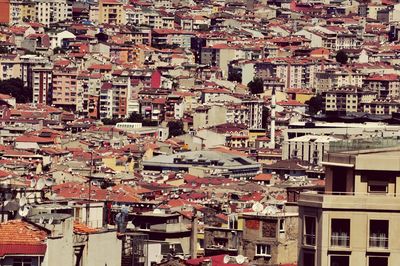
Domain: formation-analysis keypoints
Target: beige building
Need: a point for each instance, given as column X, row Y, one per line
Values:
column 208, row 116
column 355, row 221
column 347, row 99
column 65, row 90
column 111, row 12
column 270, row 239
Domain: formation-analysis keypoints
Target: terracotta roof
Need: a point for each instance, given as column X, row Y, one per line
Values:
column 81, row 228
column 17, row 232
column 263, row 177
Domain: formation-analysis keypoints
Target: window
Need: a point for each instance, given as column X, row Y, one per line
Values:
column 340, row 232
column 309, row 231
column 339, row 260
column 379, row 233
column 282, row 226
column 22, row 262
column 145, row 226
column 263, row 250
column 308, row 259
column 378, row 261
column 375, row 186
column 233, row 222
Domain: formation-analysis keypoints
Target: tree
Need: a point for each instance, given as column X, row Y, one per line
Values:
column 341, row 57
column 256, row 86
column 264, row 117
column 15, row 87
column 111, row 121
column 175, row 128
column 315, row 104
column 235, row 76
column 135, row 118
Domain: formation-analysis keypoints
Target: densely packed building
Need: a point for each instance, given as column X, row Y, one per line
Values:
column 221, row 132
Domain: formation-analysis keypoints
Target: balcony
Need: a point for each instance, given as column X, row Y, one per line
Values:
column 349, row 200
column 340, row 240
column 379, row 241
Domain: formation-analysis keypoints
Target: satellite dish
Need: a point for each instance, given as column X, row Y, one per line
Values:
column 156, row 211
column 41, row 220
column 51, row 220
column 227, row 258
column 53, row 196
column 49, row 182
column 33, row 183
column 22, row 201
column 240, row 259
column 257, row 207
column 23, row 211
column 40, row 184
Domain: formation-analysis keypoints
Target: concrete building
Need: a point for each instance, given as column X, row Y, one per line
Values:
column 335, row 78
column 208, row 116
column 48, row 12
column 111, row 12
column 65, row 91
column 347, row 99
column 384, row 85
column 164, row 225
column 204, row 163
column 42, row 84
column 355, row 222
column 270, row 238
column 310, row 148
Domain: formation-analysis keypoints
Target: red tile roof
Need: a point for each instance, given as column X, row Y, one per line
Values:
column 20, row 237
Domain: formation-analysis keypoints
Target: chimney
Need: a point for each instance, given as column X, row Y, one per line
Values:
column 272, row 135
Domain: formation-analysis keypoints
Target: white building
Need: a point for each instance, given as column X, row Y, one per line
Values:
column 309, row 148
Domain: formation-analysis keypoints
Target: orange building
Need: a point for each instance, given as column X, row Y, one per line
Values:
column 5, row 11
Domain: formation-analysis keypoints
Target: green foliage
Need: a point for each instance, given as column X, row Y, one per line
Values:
column 315, row 104
column 111, row 121
column 341, row 57
column 135, row 118
column 15, row 88
column 175, row 128
column 256, row 86
column 264, row 117
column 234, row 76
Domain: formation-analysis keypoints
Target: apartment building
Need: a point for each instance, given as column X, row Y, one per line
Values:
column 113, row 98
column 386, row 85
column 382, row 107
column 299, row 73
column 208, row 116
column 270, row 238
column 48, row 12
column 111, row 12
column 336, row 78
column 347, row 99
column 355, row 221
column 65, row 90
column 42, row 84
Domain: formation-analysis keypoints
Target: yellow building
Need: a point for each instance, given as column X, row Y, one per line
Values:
column 111, row 12
column 119, row 164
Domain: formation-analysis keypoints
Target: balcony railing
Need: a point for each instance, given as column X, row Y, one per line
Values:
column 340, row 240
column 309, row 239
column 381, row 241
